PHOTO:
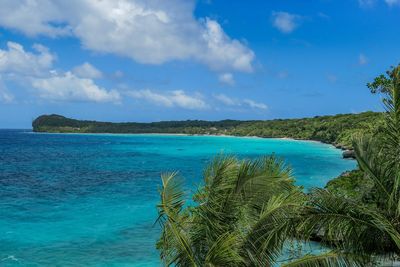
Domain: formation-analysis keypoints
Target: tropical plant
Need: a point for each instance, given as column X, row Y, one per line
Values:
column 242, row 216
column 245, row 214
column 368, row 227
column 247, row 211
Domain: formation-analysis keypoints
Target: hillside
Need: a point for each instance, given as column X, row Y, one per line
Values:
column 336, row 129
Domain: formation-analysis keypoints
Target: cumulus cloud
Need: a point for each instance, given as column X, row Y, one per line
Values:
column 177, row 98
column 285, row 22
column 362, row 59
column 229, row 101
column 68, row 87
column 34, row 17
column 151, row 32
column 227, row 78
column 15, row 60
column 220, row 52
column 86, row 70
column 34, row 69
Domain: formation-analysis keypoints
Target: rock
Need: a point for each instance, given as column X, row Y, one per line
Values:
column 345, row 174
column 339, row 146
column 349, row 154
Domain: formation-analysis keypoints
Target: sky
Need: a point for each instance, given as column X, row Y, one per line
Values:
column 154, row 60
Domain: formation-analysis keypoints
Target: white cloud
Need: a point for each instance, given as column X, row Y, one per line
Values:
column 68, row 87
column 229, row 101
column 86, row 70
column 15, row 60
column 226, row 100
column 392, row 2
column 35, row 70
column 254, row 104
column 177, row 98
column 285, row 22
column 227, row 78
column 223, row 53
column 34, row 17
column 151, row 32
column 362, row 59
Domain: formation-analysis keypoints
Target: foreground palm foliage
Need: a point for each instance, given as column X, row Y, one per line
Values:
column 247, row 211
column 243, row 215
column 368, row 226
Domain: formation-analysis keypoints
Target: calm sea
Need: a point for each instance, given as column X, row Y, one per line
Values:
column 89, row 200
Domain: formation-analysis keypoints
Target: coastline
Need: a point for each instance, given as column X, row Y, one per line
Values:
column 344, row 149
column 184, row 134
column 336, row 130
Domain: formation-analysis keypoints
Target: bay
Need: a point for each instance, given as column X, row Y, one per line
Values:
column 90, row 199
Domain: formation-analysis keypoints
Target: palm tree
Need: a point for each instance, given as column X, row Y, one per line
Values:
column 368, row 228
column 243, row 215
column 247, row 210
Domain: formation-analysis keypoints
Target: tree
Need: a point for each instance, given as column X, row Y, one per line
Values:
column 243, row 215
column 382, row 83
column 368, row 227
column 247, row 211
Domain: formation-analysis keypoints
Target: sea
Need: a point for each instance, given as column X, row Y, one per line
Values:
column 90, row 199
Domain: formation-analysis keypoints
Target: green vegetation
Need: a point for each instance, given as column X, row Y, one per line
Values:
column 337, row 129
column 247, row 211
column 351, row 184
column 366, row 223
column 244, row 215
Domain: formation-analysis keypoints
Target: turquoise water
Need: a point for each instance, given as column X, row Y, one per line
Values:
column 89, row 200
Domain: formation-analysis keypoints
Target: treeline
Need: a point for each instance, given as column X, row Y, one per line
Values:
column 337, row 129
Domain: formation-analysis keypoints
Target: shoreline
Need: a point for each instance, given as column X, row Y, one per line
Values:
column 345, row 150
column 185, row 134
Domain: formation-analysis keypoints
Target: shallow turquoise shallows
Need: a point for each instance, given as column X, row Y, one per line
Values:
column 89, row 200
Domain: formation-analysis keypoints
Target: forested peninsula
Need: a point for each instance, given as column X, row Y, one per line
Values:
column 337, row 129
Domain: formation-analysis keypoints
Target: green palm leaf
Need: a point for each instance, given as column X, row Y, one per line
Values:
column 328, row 259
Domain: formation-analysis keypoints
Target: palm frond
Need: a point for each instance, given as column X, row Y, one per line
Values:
column 224, row 252
column 328, row 259
column 350, row 225
column 276, row 223
column 174, row 243
column 172, row 196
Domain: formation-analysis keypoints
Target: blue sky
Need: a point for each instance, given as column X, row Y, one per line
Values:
column 135, row 60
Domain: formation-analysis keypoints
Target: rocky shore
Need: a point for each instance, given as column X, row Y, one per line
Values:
column 348, row 153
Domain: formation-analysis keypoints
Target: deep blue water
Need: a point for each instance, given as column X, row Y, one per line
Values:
column 89, row 200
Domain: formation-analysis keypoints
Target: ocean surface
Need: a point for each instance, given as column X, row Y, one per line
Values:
column 89, row 200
